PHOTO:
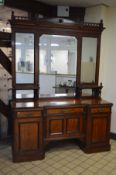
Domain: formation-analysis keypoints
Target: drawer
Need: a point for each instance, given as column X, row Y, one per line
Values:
column 29, row 114
column 64, row 110
column 100, row 110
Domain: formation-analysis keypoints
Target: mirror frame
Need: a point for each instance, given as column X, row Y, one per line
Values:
column 58, row 27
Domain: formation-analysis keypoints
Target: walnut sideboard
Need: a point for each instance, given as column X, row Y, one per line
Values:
column 35, row 123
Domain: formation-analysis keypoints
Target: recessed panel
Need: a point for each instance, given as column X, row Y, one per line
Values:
column 99, row 129
column 28, row 138
column 56, row 127
column 73, row 125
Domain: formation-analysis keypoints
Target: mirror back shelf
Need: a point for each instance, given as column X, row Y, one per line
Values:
column 54, row 58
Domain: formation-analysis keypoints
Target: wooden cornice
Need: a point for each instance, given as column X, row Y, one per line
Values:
column 58, row 24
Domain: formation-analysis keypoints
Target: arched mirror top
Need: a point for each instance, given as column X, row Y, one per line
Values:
column 57, row 65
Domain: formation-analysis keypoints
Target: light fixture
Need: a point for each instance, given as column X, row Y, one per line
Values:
column 18, row 44
column 54, row 44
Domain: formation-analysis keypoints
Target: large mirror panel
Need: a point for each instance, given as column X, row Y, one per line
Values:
column 24, row 52
column 88, row 60
column 57, row 65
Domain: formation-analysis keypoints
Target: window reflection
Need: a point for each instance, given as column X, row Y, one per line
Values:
column 57, row 64
column 24, row 57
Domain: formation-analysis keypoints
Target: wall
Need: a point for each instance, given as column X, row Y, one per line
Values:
column 109, row 69
column 108, row 60
column 95, row 13
column 5, row 15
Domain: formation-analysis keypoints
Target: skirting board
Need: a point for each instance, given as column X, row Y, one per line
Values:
column 113, row 136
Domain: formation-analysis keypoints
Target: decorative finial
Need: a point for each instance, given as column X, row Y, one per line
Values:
column 101, row 24
column 12, row 15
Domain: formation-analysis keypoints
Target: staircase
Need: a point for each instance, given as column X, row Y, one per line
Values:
column 5, row 77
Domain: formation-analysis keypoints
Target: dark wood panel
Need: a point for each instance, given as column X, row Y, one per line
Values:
column 101, row 109
column 72, row 125
column 28, row 136
column 55, row 127
column 99, row 129
column 29, row 114
column 65, row 110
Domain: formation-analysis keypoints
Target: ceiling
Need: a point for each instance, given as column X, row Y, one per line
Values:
column 80, row 3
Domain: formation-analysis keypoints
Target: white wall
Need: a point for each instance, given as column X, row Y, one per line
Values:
column 95, row 13
column 109, row 57
column 108, row 49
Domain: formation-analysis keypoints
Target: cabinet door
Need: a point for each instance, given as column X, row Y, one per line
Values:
column 100, row 124
column 55, row 126
column 75, row 124
column 28, row 133
column 100, row 128
column 28, row 137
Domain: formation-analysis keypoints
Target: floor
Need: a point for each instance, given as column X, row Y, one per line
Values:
column 65, row 159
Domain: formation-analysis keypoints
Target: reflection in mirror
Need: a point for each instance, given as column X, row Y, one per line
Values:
column 24, row 50
column 57, row 65
column 86, row 92
column 88, row 60
column 24, row 94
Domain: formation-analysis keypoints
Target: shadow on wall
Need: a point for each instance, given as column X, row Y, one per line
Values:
column 113, row 121
column 3, row 127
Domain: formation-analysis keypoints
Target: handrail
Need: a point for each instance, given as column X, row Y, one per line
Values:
column 5, row 62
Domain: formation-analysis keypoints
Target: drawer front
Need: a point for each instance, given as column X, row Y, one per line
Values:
column 100, row 110
column 64, row 110
column 29, row 114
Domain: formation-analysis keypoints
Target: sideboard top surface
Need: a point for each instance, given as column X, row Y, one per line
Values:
column 40, row 103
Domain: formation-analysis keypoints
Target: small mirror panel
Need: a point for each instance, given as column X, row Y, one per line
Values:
column 57, row 65
column 86, row 92
column 24, row 94
column 24, row 51
column 88, row 60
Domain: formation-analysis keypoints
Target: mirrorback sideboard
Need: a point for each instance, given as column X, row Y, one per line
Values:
column 56, row 91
